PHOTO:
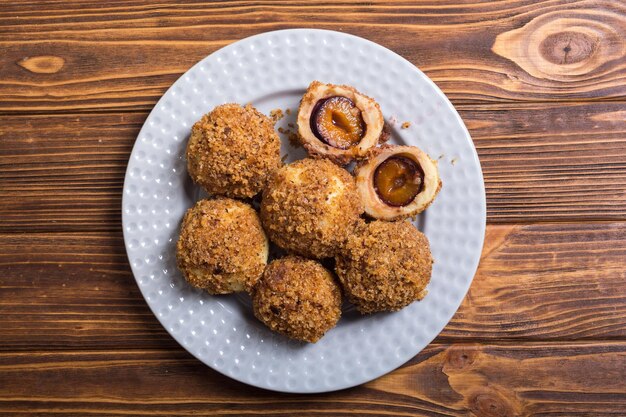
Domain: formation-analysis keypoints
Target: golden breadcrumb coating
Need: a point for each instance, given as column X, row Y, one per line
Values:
column 297, row 297
column 222, row 247
column 385, row 266
column 232, row 151
column 310, row 207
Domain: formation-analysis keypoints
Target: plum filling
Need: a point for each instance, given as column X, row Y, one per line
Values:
column 338, row 122
column 398, row 180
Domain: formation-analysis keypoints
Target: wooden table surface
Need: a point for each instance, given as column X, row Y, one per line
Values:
column 541, row 86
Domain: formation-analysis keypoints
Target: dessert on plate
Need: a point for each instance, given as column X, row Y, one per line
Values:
column 232, row 151
column 222, row 247
column 310, row 207
column 339, row 123
column 385, row 266
column 298, row 298
column 397, row 182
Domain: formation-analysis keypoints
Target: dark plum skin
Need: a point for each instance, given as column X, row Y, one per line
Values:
column 313, row 122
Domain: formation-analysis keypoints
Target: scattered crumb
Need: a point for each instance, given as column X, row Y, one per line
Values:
column 288, row 111
column 440, row 156
column 406, row 125
column 276, row 115
column 453, row 161
column 284, row 158
column 393, row 120
column 291, row 125
column 294, row 139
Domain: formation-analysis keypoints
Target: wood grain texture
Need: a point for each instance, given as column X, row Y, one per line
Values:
column 535, row 282
column 541, row 87
column 64, row 172
column 501, row 380
column 68, row 57
column 551, row 162
column 72, row 291
column 547, row 281
column 540, row 163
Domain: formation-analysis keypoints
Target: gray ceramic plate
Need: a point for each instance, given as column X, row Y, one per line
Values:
column 271, row 71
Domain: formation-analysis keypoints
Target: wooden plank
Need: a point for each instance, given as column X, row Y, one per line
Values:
column 578, row 379
column 72, row 291
column 64, row 172
column 540, row 162
column 551, row 162
column 535, row 282
column 83, row 55
column 547, row 281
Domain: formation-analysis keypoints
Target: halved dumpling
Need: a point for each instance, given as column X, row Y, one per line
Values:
column 339, row 123
column 397, row 182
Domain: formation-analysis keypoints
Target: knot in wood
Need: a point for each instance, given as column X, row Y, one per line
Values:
column 490, row 405
column 567, row 47
column 44, row 64
column 461, row 358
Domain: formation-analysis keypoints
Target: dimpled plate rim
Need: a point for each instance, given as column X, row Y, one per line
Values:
column 221, row 331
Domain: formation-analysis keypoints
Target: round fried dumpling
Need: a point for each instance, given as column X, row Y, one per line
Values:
column 298, row 298
column 222, row 247
column 310, row 207
column 232, row 151
column 339, row 123
column 397, row 182
column 385, row 266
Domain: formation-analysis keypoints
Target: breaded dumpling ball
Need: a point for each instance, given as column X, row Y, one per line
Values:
column 232, row 151
column 385, row 266
column 222, row 247
column 298, row 298
column 310, row 207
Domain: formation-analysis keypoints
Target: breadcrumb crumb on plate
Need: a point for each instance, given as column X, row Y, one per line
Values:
column 276, row 115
